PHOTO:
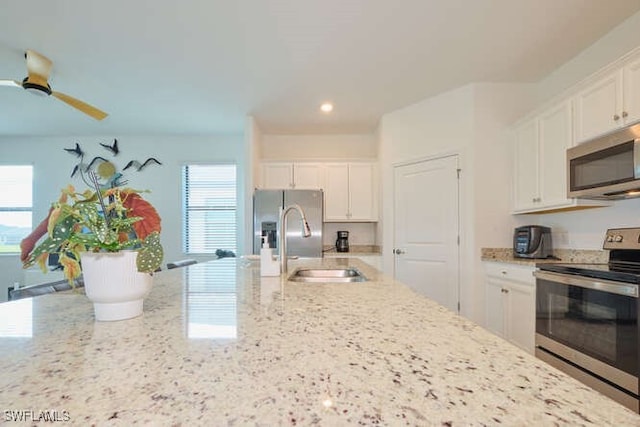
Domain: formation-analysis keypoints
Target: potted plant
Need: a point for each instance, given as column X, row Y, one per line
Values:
column 111, row 236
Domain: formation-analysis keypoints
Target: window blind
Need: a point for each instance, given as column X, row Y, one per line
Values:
column 210, row 205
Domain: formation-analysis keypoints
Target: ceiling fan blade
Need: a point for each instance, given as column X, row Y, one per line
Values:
column 38, row 67
column 82, row 106
column 10, row 83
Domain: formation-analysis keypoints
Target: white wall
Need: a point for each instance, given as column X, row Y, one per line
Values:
column 622, row 39
column 585, row 229
column 496, row 106
column 318, row 147
column 252, row 140
column 470, row 121
column 360, row 233
column 53, row 167
column 434, row 127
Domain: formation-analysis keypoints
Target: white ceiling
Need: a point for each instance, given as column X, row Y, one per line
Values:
column 202, row 66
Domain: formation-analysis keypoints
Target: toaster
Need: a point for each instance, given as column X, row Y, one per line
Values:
column 532, row 241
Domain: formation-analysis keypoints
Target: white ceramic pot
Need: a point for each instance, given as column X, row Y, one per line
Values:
column 114, row 285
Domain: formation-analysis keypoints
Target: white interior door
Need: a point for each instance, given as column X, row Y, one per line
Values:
column 426, row 229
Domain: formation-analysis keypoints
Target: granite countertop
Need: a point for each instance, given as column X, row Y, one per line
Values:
column 582, row 256
column 330, row 250
column 219, row 345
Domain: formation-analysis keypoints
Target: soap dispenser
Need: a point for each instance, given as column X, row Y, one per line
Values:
column 268, row 265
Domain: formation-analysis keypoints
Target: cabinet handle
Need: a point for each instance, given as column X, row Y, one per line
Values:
column 503, row 272
column 625, row 114
column 616, row 117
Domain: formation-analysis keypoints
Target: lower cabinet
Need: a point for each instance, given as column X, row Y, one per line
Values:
column 510, row 303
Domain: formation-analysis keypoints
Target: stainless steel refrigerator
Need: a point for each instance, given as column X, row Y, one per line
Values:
column 267, row 205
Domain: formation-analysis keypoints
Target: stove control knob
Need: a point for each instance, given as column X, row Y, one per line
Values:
column 609, row 238
column 617, row 238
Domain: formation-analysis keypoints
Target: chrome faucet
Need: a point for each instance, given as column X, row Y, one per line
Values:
column 306, row 232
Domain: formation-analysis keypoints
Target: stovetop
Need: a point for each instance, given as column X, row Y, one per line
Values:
column 623, row 245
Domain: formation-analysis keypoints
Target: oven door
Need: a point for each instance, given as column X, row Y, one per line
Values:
column 591, row 323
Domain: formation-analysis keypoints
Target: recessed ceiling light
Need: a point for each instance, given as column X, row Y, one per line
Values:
column 327, row 107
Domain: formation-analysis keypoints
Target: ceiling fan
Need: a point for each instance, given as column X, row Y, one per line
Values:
column 36, row 82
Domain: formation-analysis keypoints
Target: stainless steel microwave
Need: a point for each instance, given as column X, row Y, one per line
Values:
column 607, row 167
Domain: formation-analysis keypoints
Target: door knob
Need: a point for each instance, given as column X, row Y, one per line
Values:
column 398, row 252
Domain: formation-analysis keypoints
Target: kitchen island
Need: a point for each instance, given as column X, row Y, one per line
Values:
column 219, row 345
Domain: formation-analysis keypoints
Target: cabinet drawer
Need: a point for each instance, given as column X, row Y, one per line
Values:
column 511, row 272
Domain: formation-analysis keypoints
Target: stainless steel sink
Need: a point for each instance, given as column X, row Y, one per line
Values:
column 327, row 275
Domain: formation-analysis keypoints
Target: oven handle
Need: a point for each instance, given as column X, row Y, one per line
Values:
column 589, row 283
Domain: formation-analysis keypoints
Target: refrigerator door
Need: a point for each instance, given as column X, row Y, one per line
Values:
column 311, row 202
column 266, row 211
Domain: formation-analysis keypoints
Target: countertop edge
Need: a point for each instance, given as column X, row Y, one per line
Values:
column 572, row 256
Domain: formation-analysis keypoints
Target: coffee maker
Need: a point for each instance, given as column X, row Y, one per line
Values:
column 342, row 243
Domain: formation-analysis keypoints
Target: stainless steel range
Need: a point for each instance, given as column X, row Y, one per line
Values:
column 587, row 318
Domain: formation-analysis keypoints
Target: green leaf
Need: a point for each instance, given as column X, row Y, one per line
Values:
column 150, row 254
column 61, row 232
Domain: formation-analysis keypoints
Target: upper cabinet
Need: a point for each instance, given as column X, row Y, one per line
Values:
column 526, row 167
column 631, row 74
column 540, row 172
column 611, row 102
column 351, row 192
column 554, row 130
column 350, row 188
column 299, row 176
column 277, row 175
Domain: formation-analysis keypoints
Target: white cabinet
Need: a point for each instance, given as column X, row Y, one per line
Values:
column 510, row 303
column 554, row 132
column 611, row 102
column 299, row 176
column 350, row 192
column 277, row 175
column 631, row 94
column 526, row 168
column 308, row 176
column 336, row 193
column 350, row 189
column 540, row 166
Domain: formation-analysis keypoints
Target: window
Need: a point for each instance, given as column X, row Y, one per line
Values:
column 16, row 206
column 210, row 208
